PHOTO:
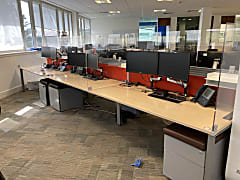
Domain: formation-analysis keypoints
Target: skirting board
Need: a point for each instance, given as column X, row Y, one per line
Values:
column 10, row 92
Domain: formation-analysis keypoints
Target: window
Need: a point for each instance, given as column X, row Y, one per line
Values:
column 38, row 26
column 84, row 30
column 60, row 17
column 10, row 30
column 81, row 35
column 87, row 32
column 70, row 24
column 50, row 26
column 33, row 23
column 27, row 25
column 66, row 22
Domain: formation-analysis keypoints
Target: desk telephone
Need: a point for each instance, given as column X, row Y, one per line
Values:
column 204, row 95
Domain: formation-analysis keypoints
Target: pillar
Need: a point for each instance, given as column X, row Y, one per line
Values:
column 204, row 25
column 217, row 22
column 173, row 33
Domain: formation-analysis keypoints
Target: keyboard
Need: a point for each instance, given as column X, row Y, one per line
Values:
column 169, row 97
column 90, row 78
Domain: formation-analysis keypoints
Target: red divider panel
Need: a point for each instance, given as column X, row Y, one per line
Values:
column 119, row 73
column 113, row 72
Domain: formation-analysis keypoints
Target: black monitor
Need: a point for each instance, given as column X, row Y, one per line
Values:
column 206, row 59
column 49, row 52
column 72, row 49
column 142, row 44
column 193, row 55
column 92, row 61
column 145, row 45
column 203, row 60
column 142, row 62
column 174, row 65
column 77, row 59
column 88, row 46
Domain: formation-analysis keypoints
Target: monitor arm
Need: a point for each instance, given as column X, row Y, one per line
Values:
column 60, row 53
column 184, row 85
column 152, row 79
column 101, row 71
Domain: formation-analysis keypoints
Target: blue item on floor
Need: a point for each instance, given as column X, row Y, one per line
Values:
column 137, row 163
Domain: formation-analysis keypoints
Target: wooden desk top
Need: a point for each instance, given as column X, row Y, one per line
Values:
column 186, row 113
column 45, row 72
column 79, row 82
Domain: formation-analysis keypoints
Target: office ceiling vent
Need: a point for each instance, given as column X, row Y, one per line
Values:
column 167, row 13
column 104, row 12
column 192, row 10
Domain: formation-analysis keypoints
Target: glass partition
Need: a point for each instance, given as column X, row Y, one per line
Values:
column 228, row 77
column 131, row 81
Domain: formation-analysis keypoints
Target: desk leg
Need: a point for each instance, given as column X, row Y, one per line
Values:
column 22, row 79
column 119, row 122
column 216, row 156
column 209, row 160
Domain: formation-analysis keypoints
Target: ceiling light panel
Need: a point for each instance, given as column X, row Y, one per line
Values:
column 103, row 1
column 159, row 10
column 114, row 12
column 165, row 0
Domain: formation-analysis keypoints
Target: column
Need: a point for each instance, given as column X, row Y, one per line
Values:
column 237, row 19
column 173, row 33
column 216, row 31
column 217, row 22
column 204, row 24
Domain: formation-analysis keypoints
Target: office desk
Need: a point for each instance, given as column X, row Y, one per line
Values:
column 189, row 114
column 186, row 113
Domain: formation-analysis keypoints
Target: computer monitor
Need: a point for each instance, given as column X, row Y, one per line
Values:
column 206, row 59
column 145, row 45
column 174, row 65
column 92, row 61
column 203, row 60
column 142, row 62
column 88, row 46
column 142, row 45
column 72, row 49
column 49, row 52
column 77, row 59
column 193, row 55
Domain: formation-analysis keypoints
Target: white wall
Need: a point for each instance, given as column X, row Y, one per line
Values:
column 10, row 81
column 114, row 25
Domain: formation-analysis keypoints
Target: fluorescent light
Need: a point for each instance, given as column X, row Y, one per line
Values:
column 103, row 1
column 189, row 19
column 159, row 10
column 164, row 0
column 114, row 12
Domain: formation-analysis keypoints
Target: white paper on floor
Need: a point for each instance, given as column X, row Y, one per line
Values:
column 7, row 124
column 39, row 103
column 23, row 111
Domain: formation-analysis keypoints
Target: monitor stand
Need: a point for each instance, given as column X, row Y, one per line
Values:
column 167, row 96
column 93, row 77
